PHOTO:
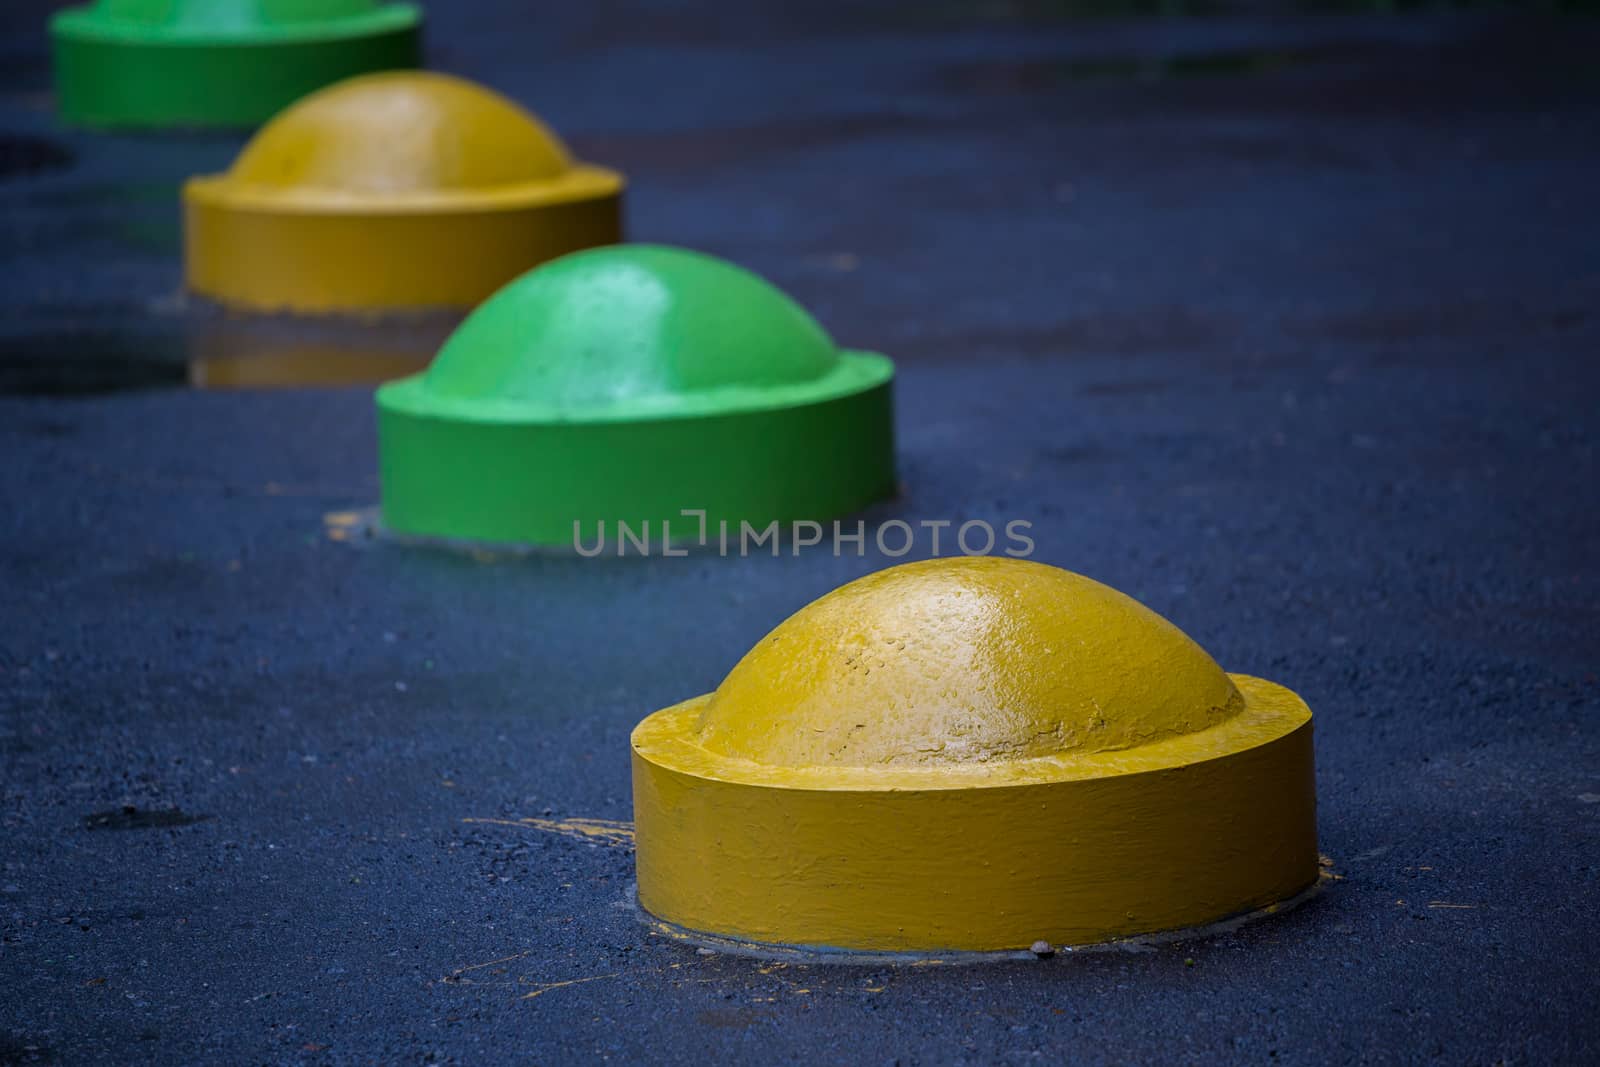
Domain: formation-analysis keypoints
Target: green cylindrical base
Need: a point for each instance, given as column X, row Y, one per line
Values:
column 504, row 482
column 145, row 78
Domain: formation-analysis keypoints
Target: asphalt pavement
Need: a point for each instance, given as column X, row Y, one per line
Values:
column 1287, row 326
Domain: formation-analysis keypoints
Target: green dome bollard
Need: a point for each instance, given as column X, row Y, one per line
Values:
column 230, row 63
column 630, row 384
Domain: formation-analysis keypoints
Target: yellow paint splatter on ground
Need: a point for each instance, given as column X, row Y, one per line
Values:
column 459, row 971
column 340, row 525
column 545, row 987
column 500, row 973
column 459, row 976
column 599, row 831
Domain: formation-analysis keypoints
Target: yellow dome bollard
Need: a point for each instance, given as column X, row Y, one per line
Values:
column 391, row 191
column 972, row 754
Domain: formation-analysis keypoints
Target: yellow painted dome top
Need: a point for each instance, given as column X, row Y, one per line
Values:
column 963, row 662
column 399, row 133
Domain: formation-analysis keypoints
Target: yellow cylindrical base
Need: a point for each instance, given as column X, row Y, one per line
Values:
column 255, row 254
column 1178, row 833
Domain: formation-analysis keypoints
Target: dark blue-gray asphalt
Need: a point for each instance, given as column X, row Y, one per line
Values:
column 1289, row 327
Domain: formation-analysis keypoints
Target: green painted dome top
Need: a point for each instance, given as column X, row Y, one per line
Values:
column 636, row 331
